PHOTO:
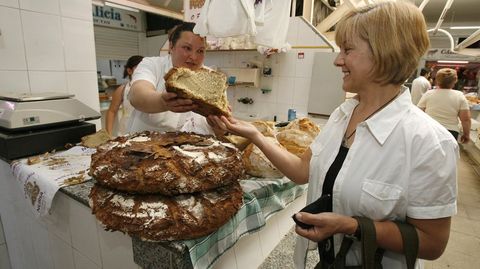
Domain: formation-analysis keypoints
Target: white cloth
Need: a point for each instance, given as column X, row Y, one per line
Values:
column 225, row 18
column 41, row 181
column 420, row 86
column 153, row 69
column 402, row 163
column 444, row 105
column 126, row 111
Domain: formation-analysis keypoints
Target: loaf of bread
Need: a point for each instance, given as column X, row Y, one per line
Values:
column 155, row 217
column 257, row 164
column 295, row 141
column 305, row 125
column 96, row 139
column 297, row 136
column 166, row 163
column 205, row 87
column 267, row 128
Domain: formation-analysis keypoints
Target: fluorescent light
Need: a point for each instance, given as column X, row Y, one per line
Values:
column 121, row 7
column 452, row 62
column 464, row 27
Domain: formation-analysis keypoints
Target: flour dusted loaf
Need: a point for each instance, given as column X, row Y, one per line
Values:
column 166, row 163
column 155, row 217
column 297, row 136
column 204, row 87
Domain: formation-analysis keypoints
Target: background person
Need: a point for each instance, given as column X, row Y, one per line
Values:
column 156, row 109
column 420, row 85
column 119, row 99
column 378, row 156
column 446, row 105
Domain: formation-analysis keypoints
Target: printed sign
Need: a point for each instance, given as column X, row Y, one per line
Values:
column 117, row 18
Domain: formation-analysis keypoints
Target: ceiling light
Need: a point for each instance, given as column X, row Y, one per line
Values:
column 121, row 7
column 452, row 62
column 464, row 27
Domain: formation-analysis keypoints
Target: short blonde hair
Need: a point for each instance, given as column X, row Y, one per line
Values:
column 397, row 36
column 446, row 78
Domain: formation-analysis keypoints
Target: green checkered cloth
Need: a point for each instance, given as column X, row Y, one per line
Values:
column 261, row 199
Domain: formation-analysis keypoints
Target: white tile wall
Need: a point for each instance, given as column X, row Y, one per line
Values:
column 9, row 3
column 12, row 51
column 4, row 259
column 14, row 81
column 62, row 252
column 269, row 235
column 82, row 262
column 116, row 249
column 79, row 9
column 250, row 255
column 58, row 222
column 84, row 86
column 227, row 260
column 78, row 34
column 301, row 91
column 83, row 227
column 44, row 6
column 41, row 245
column 2, row 237
column 44, row 81
column 285, row 90
column 43, row 41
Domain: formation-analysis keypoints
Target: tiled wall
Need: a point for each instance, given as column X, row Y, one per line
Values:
column 4, row 259
column 48, row 45
column 290, row 80
column 70, row 237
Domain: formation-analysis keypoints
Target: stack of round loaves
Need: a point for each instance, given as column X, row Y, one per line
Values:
column 166, row 186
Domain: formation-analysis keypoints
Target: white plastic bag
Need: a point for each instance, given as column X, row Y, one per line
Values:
column 226, row 18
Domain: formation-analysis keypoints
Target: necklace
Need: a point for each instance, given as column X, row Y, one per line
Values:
column 346, row 138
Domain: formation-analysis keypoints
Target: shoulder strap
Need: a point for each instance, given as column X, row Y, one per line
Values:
column 410, row 242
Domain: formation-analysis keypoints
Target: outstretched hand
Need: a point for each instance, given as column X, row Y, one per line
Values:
column 175, row 104
column 234, row 126
column 464, row 139
column 325, row 225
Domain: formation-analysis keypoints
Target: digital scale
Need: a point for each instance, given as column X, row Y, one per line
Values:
column 35, row 123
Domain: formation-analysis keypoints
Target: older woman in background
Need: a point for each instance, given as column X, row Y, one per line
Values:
column 446, row 105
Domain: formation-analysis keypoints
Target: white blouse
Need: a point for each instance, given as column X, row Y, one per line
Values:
column 402, row 163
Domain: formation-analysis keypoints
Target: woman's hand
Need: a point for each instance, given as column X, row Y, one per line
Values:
column 174, row 104
column 234, row 126
column 325, row 225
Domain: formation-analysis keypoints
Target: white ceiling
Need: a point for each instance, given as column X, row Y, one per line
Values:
column 462, row 12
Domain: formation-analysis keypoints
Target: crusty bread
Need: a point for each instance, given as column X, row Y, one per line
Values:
column 267, row 128
column 96, row 139
column 257, row 164
column 166, row 163
column 205, row 87
column 295, row 141
column 305, row 125
column 155, row 217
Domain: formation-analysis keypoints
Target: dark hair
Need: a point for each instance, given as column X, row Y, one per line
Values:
column 424, row 71
column 176, row 31
column 131, row 63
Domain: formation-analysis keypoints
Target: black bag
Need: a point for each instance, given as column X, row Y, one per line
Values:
column 372, row 255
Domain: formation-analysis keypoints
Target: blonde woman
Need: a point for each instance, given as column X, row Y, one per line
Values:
column 378, row 156
column 447, row 105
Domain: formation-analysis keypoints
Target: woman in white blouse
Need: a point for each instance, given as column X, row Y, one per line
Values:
column 378, row 155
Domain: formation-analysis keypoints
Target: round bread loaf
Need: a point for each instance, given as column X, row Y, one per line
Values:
column 155, row 217
column 257, row 164
column 305, row 125
column 166, row 163
column 295, row 141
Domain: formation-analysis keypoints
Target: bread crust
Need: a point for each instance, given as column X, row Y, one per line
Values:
column 204, row 107
column 158, row 218
column 166, row 163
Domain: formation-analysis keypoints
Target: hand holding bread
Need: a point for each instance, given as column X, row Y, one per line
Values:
column 172, row 103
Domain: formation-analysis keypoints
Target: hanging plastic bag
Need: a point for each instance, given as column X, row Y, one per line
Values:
column 226, row 18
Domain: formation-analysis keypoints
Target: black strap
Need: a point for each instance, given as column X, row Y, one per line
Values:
column 410, row 242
